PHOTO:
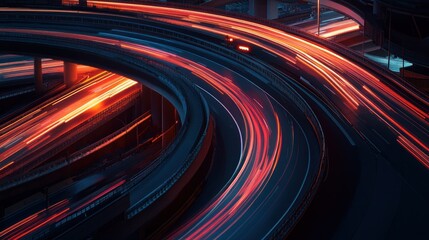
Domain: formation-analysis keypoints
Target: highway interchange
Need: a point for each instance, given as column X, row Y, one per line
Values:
column 270, row 155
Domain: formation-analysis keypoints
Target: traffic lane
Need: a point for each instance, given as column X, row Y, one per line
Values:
column 198, row 18
column 383, row 123
column 350, row 93
column 245, row 87
column 39, row 112
column 248, row 88
column 65, row 116
column 43, row 121
column 246, row 176
column 84, row 186
column 288, row 183
column 225, row 159
column 410, row 124
column 380, row 138
column 412, row 110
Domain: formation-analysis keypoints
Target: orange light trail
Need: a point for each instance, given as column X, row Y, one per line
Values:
column 20, row 139
column 318, row 55
column 7, row 165
column 256, row 155
column 258, row 160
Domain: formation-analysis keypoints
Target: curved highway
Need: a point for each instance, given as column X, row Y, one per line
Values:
column 247, row 72
column 351, row 82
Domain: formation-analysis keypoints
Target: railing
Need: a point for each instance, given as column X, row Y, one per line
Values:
column 21, row 91
column 92, row 208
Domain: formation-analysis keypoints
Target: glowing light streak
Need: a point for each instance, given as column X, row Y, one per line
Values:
column 244, row 48
column 37, row 226
column 7, row 165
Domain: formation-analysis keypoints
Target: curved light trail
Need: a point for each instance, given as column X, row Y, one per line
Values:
column 261, row 144
column 25, row 139
column 354, row 91
column 344, row 77
column 260, row 150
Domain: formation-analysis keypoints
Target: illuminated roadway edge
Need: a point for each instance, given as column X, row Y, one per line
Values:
column 73, row 46
column 122, row 62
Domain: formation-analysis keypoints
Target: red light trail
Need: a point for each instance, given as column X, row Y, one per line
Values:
column 21, row 140
column 357, row 88
column 334, row 69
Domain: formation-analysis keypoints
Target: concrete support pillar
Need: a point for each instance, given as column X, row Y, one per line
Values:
column 267, row 9
column 376, row 8
column 83, row 3
column 168, row 114
column 70, row 74
column 272, row 9
column 156, row 109
column 139, row 105
column 168, row 121
column 251, row 10
column 163, row 116
column 145, row 98
column 38, row 75
column 1, row 211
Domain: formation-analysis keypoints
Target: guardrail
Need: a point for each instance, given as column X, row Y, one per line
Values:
column 93, row 206
column 81, row 214
column 21, row 91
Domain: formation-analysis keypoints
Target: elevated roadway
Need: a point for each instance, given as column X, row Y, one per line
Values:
column 269, row 94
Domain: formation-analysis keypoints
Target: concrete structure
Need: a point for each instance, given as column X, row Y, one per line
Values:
column 264, row 8
column 168, row 122
column 163, row 115
column 376, row 8
column 346, row 10
column 70, row 74
column 83, row 3
column 145, row 99
column 38, row 75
